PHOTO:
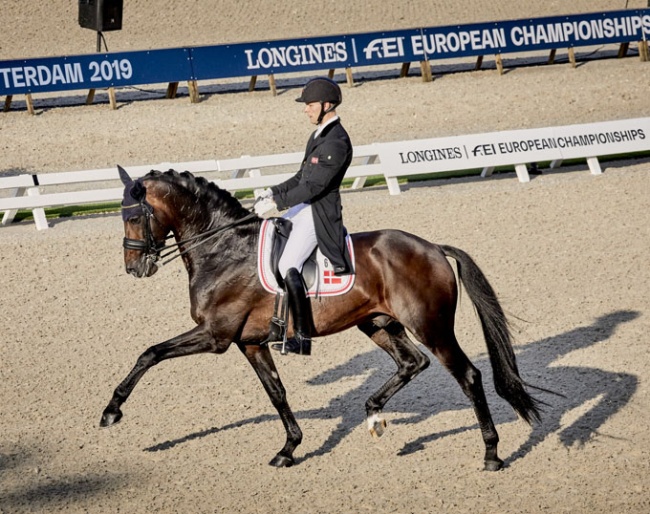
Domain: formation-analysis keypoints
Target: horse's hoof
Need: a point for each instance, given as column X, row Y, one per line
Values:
column 493, row 465
column 110, row 418
column 376, row 426
column 282, row 461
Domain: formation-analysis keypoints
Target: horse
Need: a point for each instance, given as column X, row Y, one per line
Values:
column 402, row 282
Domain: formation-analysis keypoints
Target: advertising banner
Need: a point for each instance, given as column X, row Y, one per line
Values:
column 321, row 53
column 413, row 45
column 94, row 71
column 514, row 147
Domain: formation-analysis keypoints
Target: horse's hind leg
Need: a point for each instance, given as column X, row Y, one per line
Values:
column 468, row 377
column 390, row 336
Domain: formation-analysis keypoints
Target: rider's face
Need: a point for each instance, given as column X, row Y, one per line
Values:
column 312, row 110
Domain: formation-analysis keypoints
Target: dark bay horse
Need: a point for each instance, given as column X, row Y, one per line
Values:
column 403, row 283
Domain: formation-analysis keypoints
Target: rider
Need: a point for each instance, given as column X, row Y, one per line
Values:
column 314, row 202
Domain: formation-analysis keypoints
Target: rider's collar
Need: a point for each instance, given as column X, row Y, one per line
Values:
column 320, row 128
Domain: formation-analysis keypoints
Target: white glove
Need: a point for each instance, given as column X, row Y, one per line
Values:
column 263, row 193
column 263, row 205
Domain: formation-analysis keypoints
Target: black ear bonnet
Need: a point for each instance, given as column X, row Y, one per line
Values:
column 133, row 199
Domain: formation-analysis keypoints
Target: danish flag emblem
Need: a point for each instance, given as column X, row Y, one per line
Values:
column 330, row 278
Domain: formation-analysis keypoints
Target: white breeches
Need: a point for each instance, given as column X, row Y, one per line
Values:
column 302, row 240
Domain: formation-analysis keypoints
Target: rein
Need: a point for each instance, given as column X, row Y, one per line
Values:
column 154, row 248
column 203, row 237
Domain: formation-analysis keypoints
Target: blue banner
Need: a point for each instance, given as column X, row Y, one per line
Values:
column 263, row 58
column 454, row 41
column 321, row 53
column 94, row 71
column 534, row 34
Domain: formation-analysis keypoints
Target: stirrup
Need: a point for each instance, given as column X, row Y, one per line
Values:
column 277, row 330
column 299, row 345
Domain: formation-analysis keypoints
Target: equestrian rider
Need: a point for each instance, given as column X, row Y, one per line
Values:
column 314, row 202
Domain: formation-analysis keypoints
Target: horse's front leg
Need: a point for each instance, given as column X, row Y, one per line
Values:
column 262, row 362
column 197, row 340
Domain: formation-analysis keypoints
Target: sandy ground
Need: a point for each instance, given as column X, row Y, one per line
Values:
column 567, row 254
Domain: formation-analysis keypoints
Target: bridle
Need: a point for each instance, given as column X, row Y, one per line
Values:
column 153, row 250
column 149, row 246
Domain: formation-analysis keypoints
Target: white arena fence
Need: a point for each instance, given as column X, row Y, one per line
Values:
column 392, row 161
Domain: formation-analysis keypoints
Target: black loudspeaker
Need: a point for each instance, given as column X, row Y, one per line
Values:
column 101, row 15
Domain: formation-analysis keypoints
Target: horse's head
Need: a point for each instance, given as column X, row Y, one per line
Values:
column 144, row 228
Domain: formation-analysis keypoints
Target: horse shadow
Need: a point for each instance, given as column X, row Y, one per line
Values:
column 603, row 392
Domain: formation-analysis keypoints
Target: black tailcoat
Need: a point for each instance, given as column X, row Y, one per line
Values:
column 326, row 160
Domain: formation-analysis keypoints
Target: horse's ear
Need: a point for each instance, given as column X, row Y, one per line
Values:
column 124, row 176
column 138, row 191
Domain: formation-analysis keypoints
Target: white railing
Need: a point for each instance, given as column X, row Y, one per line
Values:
column 391, row 160
column 35, row 192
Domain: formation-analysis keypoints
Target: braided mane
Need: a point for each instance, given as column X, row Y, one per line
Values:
column 208, row 193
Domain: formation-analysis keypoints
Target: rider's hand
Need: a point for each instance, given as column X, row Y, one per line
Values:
column 263, row 205
column 263, row 193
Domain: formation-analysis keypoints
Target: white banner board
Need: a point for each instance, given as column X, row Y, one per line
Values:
column 515, row 147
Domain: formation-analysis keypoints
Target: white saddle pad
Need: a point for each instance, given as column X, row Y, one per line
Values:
column 327, row 284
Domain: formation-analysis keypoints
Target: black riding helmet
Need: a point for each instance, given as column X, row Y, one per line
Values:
column 321, row 90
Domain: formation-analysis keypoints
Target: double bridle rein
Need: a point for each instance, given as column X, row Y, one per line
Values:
column 153, row 249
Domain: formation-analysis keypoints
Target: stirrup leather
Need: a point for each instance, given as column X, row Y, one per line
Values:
column 278, row 324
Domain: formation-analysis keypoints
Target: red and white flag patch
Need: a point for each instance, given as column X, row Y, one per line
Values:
column 330, row 278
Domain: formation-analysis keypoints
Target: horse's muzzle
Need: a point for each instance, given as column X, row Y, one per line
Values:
column 141, row 268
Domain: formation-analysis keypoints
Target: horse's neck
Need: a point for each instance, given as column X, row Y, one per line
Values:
column 212, row 243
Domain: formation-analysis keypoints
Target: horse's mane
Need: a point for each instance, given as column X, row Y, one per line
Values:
column 208, row 193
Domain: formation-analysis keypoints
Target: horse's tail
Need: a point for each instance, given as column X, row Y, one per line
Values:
column 507, row 382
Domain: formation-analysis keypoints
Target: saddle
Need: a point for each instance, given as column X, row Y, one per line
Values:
column 318, row 273
column 281, row 231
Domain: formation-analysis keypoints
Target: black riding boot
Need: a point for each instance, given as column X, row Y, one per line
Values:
column 301, row 312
